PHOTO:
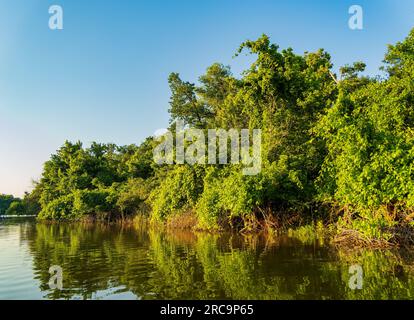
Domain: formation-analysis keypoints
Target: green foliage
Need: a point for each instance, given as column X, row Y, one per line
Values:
column 178, row 192
column 29, row 205
column 370, row 143
column 5, row 202
column 131, row 197
column 283, row 94
column 60, row 208
column 16, row 208
column 88, row 202
column 184, row 103
column 101, row 179
column 227, row 195
column 346, row 142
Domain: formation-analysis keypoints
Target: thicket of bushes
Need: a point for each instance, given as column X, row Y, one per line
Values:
column 10, row 205
column 344, row 142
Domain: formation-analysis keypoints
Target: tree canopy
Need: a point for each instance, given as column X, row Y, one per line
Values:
column 339, row 142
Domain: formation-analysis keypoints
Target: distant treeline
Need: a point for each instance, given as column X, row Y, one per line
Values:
column 335, row 147
column 9, row 205
column 5, row 202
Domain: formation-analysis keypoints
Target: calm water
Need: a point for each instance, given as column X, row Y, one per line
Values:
column 110, row 262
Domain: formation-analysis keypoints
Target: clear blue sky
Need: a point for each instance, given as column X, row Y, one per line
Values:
column 104, row 77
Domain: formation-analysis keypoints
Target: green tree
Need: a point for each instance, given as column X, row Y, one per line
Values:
column 5, row 202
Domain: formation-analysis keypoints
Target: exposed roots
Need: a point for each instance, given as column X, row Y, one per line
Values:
column 403, row 235
column 355, row 239
column 184, row 221
column 269, row 221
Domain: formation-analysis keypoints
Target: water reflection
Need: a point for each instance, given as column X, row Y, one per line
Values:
column 112, row 262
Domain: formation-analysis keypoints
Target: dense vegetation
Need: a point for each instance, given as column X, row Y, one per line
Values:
column 5, row 202
column 10, row 205
column 339, row 148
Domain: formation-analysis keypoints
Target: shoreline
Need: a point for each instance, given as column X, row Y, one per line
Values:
column 342, row 237
column 17, row 216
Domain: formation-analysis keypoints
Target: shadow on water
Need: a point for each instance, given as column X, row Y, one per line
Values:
column 101, row 261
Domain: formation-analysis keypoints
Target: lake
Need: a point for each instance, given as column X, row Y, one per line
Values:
column 136, row 262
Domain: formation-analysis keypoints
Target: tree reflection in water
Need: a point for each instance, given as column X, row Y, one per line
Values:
column 108, row 260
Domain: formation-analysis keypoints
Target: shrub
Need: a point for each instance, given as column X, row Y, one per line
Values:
column 179, row 191
column 60, row 208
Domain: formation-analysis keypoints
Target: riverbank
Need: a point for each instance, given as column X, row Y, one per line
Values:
column 339, row 231
column 135, row 261
column 399, row 235
column 18, row 216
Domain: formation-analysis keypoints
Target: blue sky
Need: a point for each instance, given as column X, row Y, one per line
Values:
column 104, row 77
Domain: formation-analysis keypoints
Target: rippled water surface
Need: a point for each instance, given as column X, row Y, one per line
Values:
column 114, row 262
